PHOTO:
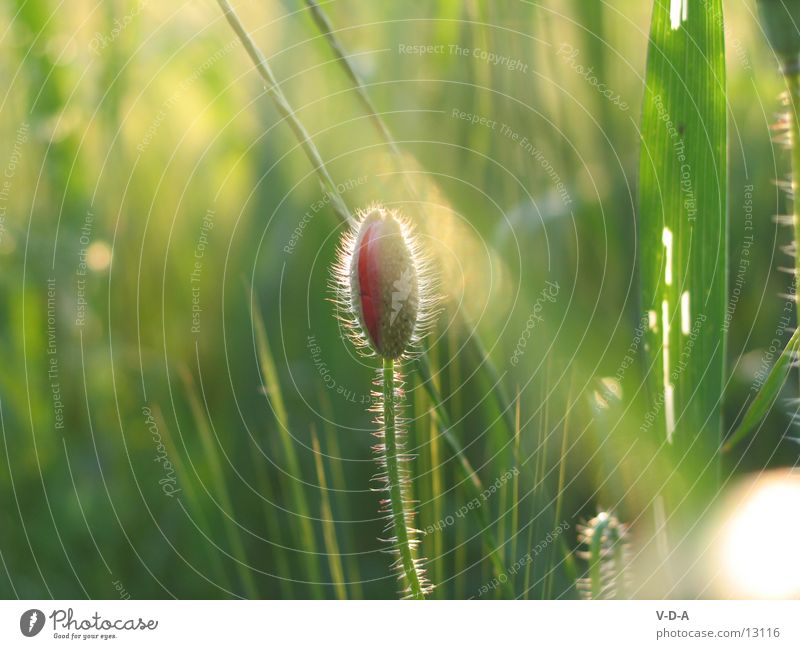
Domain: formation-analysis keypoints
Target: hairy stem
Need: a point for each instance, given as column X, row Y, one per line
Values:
column 793, row 84
column 394, row 485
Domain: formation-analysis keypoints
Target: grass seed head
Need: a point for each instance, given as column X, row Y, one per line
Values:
column 604, row 546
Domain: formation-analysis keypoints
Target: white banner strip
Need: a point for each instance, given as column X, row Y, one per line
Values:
column 389, row 624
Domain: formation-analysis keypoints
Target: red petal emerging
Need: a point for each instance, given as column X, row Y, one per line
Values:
column 369, row 280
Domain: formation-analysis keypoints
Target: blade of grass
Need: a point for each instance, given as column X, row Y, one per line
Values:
column 273, row 528
column 515, row 531
column 541, row 510
column 538, row 499
column 220, row 485
column 470, row 479
column 767, row 394
column 562, row 474
column 493, row 378
column 459, row 559
column 286, row 111
column 272, row 388
column 191, row 495
column 326, row 29
column 683, row 234
column 328, row 527
column 437, row 505
column 340, row 485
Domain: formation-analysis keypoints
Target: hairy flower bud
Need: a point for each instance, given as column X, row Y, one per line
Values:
column 381, row 282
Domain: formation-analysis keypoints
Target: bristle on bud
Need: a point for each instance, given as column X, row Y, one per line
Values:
column 383, row 284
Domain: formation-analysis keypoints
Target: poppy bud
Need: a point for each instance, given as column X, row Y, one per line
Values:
column 381, row 282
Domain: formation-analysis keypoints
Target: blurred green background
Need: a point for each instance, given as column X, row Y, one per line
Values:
column 152, row 199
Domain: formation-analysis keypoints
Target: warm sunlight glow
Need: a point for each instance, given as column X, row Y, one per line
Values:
column 763, row 523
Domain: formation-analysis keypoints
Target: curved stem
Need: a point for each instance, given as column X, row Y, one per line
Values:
column 394, row 486
column 286, row 111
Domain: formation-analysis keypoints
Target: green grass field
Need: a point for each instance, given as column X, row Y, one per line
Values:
column 595, row 187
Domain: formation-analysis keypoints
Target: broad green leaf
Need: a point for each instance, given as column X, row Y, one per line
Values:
column 683, row 230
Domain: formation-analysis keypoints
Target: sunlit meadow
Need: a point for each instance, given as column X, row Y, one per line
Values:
column 582, row 298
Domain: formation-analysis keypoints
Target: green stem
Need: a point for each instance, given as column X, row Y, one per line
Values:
column 394, row 486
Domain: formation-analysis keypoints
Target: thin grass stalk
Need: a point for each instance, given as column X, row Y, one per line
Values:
column 526, row 584
column 502, row 399
column 531, row 524
column 191, row 495
column 562, row 473
column 515, row 531
column 286, row 111
column 503, row 521
column 220, row 487
column 538, row 462
column 562, row 479
column 271, row 521
column 436, row 490
column 768, row 393
column 470, row 477
column 328, row 526
column 272, row 386
column 340, row 486
column 326, row 29
column 541, row 473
